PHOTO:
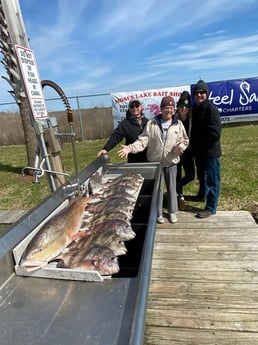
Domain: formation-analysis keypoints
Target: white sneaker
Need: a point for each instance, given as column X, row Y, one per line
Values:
column 160, row 220
column 172, row 218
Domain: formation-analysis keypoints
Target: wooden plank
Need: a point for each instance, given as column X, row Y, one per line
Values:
column 204, row 281
column 201, row 265
column 203, row 319
column 225, row 216
column 234, row 304
column 205, row 237
column 201, row 276
column 241, row 247
column 202, row 255
column 233, row 230
column 180, row 336
column 202, row 225
column 172, row 288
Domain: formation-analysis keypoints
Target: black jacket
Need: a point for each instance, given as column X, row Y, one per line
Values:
column 206, row 131
column 130, row 130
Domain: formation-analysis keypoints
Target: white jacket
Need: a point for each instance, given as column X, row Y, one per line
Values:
column 158, row 149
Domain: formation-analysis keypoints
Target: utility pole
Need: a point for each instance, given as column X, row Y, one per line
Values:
column 13, row 34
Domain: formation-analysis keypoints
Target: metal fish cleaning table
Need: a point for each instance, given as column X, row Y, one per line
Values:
column 49, row 311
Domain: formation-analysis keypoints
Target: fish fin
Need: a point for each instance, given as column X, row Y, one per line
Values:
column 78, row 235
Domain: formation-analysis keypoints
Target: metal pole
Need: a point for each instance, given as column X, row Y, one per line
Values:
column 80, row 118
column 45, row 154
column 70, row 121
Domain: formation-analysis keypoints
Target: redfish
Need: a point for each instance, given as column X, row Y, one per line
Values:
column 55, row 235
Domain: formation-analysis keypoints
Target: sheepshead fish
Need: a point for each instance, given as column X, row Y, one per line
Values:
column 110, row 202
column 129, row 178
column 120, row 227
column 130, row 196
column 102, row 217
column 109, row 239
column 54, row 235
column 124, row 209
column 97, row 258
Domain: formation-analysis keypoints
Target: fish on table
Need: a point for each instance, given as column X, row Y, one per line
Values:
column 100, row 211
column 89, row 233
column 120, row 227
column 132, row 179
column 109, row 239
column 91, row 220
column 128, row 184
column 128, row 195
column 96, row 257
column 112, row 202
column 54, row 235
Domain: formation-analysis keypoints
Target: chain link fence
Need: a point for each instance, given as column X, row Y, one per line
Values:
column 92, row 115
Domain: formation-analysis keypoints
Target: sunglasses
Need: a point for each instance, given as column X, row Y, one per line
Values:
column 134, row 106
column 181, row 106
column 200, row 92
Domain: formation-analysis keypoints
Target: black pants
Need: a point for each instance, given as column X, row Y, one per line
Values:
column 186, row 164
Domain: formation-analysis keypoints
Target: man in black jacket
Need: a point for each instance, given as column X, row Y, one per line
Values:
column 206, row 147
column 129, row 129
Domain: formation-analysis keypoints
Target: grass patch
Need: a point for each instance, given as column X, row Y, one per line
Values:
column 239, row 174
column 19, row 192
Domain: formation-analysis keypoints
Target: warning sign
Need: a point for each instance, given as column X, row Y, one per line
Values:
column 32, row 82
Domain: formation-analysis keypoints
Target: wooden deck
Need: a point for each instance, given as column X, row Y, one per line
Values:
column 204, row 282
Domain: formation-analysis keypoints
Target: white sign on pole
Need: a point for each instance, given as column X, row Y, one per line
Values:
column 32, row 82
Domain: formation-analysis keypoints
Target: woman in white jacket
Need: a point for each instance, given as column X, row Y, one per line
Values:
column 165, row 139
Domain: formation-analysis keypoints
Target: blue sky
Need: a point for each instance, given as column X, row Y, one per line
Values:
column 104, row 46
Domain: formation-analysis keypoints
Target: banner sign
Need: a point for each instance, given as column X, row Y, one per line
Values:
column 32, row 82
column 236, row 100
column 150, row 100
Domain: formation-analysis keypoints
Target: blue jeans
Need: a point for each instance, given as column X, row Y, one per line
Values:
column 212, row 183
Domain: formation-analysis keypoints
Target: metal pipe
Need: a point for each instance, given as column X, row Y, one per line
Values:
column 42, row 171
column 44, row 152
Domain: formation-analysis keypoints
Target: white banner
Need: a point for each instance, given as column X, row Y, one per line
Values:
column 150, row 100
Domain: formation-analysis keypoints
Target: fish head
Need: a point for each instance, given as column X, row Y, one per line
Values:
column 38, row 257
column 117, row 245
column 100, row 258
column 107, row 265
column 32, row 264
column 125, row 231
column 111, row 240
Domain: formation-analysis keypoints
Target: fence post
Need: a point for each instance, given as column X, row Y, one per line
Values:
column 80, row 118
